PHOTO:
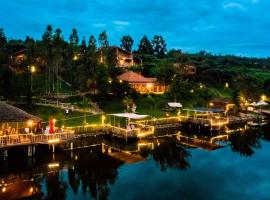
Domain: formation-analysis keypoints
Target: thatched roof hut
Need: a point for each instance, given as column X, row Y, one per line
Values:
column 10, row 113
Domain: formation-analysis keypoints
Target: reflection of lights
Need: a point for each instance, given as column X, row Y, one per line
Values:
column 53, row 141
column 52, row 165
column 4, row 189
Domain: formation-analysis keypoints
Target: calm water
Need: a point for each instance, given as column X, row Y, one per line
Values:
column 162, row 169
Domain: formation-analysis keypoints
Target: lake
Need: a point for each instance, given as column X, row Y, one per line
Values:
column 162, row 168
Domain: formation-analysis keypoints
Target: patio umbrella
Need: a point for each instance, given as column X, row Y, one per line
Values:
column 261, row 103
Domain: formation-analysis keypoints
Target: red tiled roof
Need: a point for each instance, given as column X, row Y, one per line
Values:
column 133, row 77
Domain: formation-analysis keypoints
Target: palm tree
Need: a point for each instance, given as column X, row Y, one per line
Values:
column 85, row 104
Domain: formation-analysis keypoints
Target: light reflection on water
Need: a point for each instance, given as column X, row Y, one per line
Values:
column 160, row 168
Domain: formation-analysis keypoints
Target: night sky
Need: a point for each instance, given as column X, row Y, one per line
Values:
column 239, row 27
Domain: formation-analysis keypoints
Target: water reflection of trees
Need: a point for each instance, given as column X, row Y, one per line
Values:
column 56, row 188
column 245, row 142
column 169, row 155
column 94, row 172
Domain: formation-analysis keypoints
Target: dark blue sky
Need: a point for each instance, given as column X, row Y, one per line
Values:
column 239, row 27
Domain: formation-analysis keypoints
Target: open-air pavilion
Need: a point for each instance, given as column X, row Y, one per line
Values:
column 126, row 125
column 14, row 120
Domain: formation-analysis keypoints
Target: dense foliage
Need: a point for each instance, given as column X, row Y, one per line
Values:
column 91, row 66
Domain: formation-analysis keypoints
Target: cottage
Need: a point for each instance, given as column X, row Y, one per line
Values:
column 187, row 70
column 124, row 58
column 142, row 84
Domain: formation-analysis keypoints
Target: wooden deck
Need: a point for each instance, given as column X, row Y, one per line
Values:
column 31, row 139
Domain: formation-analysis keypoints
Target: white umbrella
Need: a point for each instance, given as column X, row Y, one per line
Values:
column 261, row 103
column 175, row 105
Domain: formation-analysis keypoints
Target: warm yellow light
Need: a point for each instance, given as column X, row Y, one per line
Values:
column 191, row 91
column 201, row 86
column 4, row 189
column 211, row 104
column 52, row 165
column 32, row 69
column 103, row 118
column 226, row 85
column 53, row 141
column 110, row 81
column 30, row 123
column 263, row 97
column 54, row 120
column 149, row 85
column 120, row 81
column 31, row 190
column 75, row 57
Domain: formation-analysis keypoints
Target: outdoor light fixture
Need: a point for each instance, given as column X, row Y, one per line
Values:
column 52, row 165
column 32, row 69
column 263, row 97
column 4, row 189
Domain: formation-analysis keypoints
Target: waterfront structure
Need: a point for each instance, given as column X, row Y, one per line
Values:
column 222, row 103
column 14, row 120
column 142, row 84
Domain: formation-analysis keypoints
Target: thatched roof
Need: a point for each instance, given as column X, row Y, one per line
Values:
column 10, row 113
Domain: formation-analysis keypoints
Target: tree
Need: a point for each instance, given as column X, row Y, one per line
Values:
column 128, row 103
column 164, row 72
column 47, row 35
column 145, row 46
column 74, row 38
column 159, row 46
column 127, row 43
column 83, row 45
column 103, row 40
column 58, row 44
column 85, row 104
column 47, row 53
column 3, row 39
column 92, row 43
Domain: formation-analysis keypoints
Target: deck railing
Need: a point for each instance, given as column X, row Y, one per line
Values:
column 25, row 139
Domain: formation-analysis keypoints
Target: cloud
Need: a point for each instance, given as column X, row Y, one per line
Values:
column 121, row 23
column 215, row 26
column 233, row 5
